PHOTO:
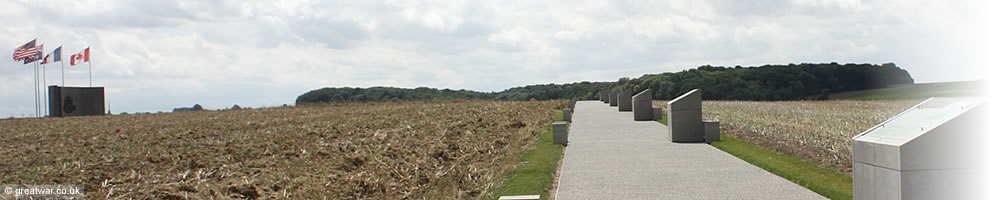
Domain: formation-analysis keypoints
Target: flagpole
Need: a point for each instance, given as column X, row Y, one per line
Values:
column 36, row 89
column 35, row 85
column 45, row 93
column 39, row 100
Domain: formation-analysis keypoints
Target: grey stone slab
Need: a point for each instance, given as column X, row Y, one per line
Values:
column 657, row 113
column 873, row 182
column 864, row 151
column 864, row 180
column 560, row 133
column 941, row 184
column 642, row 106
column 567, row 115
column 612, row 98
column 930, row 151
column 688, row 101
column 76, row 101
column 603, row 94
column 886, row 156
column 625, row 101
column 953, row 144
column 684, row 114
column 711, row 130
column 607, row 94
column 615, row 157
column 887, row 184
column 572, row 104
column 685, row 126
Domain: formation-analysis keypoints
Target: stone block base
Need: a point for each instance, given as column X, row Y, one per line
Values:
column 711, row 131
column 560, row 133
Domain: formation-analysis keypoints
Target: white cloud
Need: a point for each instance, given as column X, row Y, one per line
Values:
column 157, row 55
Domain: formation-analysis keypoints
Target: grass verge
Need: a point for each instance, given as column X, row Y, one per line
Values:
column 536, row 169
column 821, row 180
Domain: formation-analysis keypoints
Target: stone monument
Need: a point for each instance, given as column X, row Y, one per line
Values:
column 560, row 133
column 567, row 115
column 625, row 100
column 657, row 113
column 75, row 101
column 684, row 114
column 642, row 106
column 930, row 151
column 711, row 131
column 603, row 96
column 612, row 97
column 572, row 104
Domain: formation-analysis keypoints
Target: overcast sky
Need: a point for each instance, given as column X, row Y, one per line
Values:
column 158, row 55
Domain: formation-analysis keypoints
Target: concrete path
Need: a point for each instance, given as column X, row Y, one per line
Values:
column 610, row 156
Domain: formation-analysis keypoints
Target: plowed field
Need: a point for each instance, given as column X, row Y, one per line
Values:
column 416, row 150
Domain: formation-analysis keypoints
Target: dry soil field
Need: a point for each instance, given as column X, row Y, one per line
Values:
column 819, row 131
column 437, row 150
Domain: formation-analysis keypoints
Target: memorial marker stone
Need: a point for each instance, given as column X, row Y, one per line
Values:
column 572, row 104
column 560, row 134
column 684, row 113
column 657, row 113
column 613, row 100
column 603, row 96
column 711, row 131
column 625, row 100
column 567, row 115
column 930, row 151
column 642, row 106
column 75, row 101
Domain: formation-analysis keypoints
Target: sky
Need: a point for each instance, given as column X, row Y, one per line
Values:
column 159, row 55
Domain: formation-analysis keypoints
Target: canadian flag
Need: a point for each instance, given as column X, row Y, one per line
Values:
column 83, row 56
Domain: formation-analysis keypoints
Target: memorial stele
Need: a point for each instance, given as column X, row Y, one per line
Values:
column 684, row 118
column 612, row 98
column 930, row 151
column 624, row 100
column 642, row 106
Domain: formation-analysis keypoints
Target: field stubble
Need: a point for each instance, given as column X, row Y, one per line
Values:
column 819, row 131
column 438, row 150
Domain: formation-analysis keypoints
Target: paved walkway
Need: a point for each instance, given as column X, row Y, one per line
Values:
column 610, row 156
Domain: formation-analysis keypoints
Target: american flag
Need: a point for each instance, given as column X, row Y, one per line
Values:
column 38, row 55
column 27, row 50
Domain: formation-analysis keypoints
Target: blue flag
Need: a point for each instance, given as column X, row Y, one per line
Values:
column 57, row 54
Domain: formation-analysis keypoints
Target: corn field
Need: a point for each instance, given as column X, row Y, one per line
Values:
column 818, row 131
column 413, row 150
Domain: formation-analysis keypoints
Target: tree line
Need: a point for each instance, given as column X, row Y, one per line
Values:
column 763, row 83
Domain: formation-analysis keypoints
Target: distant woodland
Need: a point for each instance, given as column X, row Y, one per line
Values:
column 768, row 82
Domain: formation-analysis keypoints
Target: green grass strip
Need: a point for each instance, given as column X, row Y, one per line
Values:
column 821, row 180
column 536, row 169
column 663, row 121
